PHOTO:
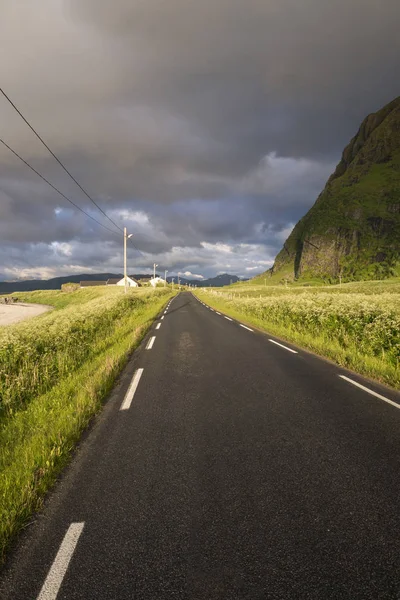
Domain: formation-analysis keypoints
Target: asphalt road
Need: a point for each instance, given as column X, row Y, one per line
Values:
column 237, row 470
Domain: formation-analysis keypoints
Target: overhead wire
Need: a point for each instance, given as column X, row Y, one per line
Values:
column 58, row 160
column 56, row 189
column 66, row 170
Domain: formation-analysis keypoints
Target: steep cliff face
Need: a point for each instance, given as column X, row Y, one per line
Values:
column 353, row 229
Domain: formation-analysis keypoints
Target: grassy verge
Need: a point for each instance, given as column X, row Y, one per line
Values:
column 357, row 332
column 38, row 435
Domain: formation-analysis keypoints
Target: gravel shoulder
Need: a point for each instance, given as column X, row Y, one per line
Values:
column 14, row 313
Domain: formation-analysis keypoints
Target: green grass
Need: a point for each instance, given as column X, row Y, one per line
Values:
column 358, row 330
column 39, row 430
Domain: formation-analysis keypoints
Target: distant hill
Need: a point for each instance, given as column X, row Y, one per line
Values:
column 218, row 281
column 7, row 287
column 353, row 229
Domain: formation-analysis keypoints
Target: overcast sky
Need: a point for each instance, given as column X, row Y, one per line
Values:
column 205, row 127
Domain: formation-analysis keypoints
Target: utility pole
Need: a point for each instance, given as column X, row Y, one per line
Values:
column 173, row 279
column 154, row 276
column 125, row 275
column 165, row 277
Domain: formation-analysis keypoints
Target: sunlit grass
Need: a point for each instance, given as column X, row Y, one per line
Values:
column 358, row 330
column 63, row 364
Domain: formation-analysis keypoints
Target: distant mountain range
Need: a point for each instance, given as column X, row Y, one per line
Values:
column 218, row 281
column 7, row 287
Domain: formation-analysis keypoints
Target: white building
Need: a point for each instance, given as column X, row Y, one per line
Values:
column 130, row 282
column 155, row 281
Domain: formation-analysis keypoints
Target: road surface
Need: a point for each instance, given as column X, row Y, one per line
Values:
column 14, row 313
column 224, row 466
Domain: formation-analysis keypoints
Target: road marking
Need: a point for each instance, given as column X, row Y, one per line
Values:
column 158, row 326
column 244, row 327
column 131, row 390
column 282, row 346
column 362, row 387
column 150, row 342
column 218, row 313
column 59, row 567
column 228, row 318
column 162, row 317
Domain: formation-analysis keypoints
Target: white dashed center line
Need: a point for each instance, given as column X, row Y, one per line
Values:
column 229, row 319
column 158, row 325
column 150, row 342
column 218, row 313
column 131, row 390
column 162, row 318
column 244, row 327
column 282, row 346
column 362, row 387
column 59, row 567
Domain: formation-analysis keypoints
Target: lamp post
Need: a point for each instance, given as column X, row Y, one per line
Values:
column 154, row 275
column 126, row 236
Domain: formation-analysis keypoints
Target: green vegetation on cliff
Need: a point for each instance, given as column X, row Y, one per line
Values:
column 353, row 230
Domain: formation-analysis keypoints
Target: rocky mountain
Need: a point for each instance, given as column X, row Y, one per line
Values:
column 353, row 229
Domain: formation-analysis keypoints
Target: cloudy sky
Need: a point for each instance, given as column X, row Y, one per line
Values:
column 205, row 127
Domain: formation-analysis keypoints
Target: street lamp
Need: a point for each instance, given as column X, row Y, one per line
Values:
column 154, row 276
column 126, row 237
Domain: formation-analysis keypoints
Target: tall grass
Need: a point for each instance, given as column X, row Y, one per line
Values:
column 359, row 331
column 74, row 358
column 35, row 354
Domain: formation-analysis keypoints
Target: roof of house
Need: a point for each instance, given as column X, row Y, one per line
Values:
column 113, row 281
column 91, row 283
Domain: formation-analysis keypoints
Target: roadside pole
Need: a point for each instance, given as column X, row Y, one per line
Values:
column 125, row 276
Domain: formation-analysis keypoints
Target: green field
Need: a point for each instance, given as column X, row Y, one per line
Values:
column 55, row 371
column 356, row 324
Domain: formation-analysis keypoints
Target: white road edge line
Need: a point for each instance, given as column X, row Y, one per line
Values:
column 229, row 319
column 150, row 342
column 218, row 313
column 131, row 390
column 60, row 564
column 162, row 317
column 158, row 325
column 370, row 391
column 244, row 327
column 282, row 346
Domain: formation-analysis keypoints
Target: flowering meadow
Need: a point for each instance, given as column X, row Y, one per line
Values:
column 35, row 354
column 360, row 330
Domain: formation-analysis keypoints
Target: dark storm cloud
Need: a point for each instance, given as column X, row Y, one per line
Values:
column 213, row 122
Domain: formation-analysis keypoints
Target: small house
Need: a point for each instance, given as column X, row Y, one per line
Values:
column 130, row 282
column 154, row 281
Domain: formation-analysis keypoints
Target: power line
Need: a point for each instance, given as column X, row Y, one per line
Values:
column 58, row 160
column 56, row 189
